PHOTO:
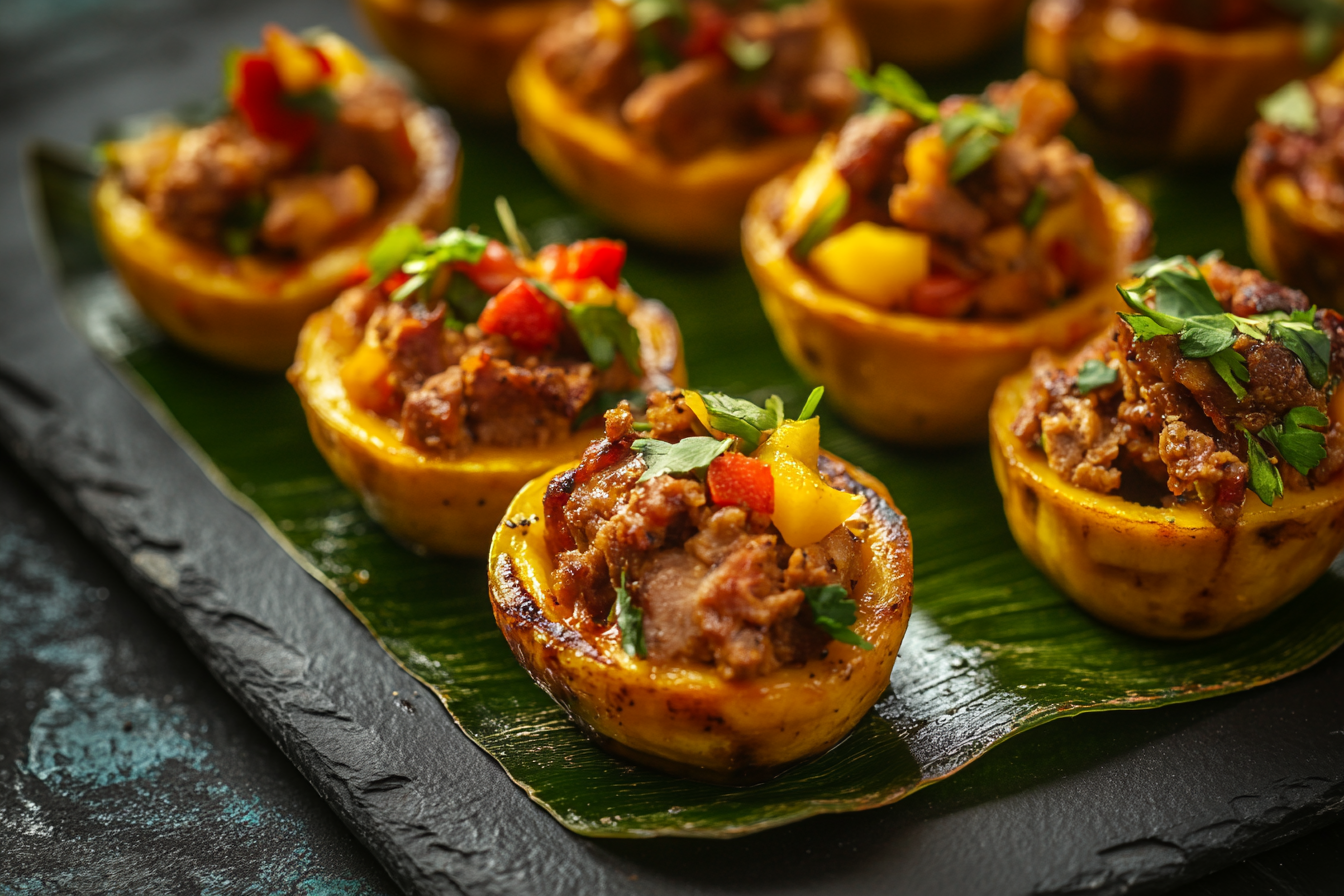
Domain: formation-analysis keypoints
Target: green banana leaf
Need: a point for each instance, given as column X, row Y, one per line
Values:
column 992, row 649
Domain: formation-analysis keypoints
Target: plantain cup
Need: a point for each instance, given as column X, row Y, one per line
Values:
column 928, row 34
column 439, row 504
column 688, row 720
column 247, row 311
column 1162, row 572
column 463, row 51
column 1152, row 89
column 692, row 205
column 907, row 377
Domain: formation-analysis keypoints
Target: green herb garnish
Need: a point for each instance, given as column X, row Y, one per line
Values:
column 605, row 331
column 1302, row 448
column 241, row 223
column 319, row 102
column 1291, row 106
column 810, row 406
column 424, row 260
column 1031, row 215
column 504, row 212
column 630, row 621
column 834, row 613
column 1093, row 375
column 1264, row 475
column 689, row 457
column 823, row 224
column 748, row 55
column 892, row 88
column 741, row 418
column 393, row 247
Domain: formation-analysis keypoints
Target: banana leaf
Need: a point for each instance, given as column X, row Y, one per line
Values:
column 992, row 649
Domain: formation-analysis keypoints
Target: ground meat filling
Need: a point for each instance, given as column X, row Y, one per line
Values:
column 1025, row 230
column 717, row 584
column 1166, row 432
column 202, row 183
column 674, row 88
column 450, row 390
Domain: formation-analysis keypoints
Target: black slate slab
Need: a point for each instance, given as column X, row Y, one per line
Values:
column 1128, row 802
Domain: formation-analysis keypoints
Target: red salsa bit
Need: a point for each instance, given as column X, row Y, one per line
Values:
column 529, row 318
column 738, row 479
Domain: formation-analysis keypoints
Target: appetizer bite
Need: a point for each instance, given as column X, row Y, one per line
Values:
column 664, row 115
column 1175, row 79
column 1291, row 186
column 1125, row 467
column 927, row 34
column 463, row 50
column 461, row 369
column 706, row 592
column 925, row 251
column 230, row 234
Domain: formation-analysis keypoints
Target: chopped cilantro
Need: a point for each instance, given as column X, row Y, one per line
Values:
column 1291, row 106
column 739, row 417
column 1301, row 447
column 1093, row 375
column 689, row 457
column 1207, row 335
column 973, row 152
column 1310, row 345
column 1031, row 214
column 1231, row 367
column 893, row 88
column 604, row 331
column 629, row 620
column 834, row 613
column 392, row 249
column 810, row 406
column 823, row 223
column 1265, row 479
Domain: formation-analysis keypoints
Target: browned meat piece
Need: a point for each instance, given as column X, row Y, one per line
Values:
column 1081, row 446
column 1251, row 292
column 670, row 420
column 684, row 112
column 309, row 211
column 597, row 73
column 509, row 405
column 216, row 167
column 668, row 590
column 867, row 153
column 1196, row 461
column 413, row 338
column 432, row 416
column 370, row 131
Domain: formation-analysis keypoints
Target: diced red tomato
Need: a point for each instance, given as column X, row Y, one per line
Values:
column 259, row 98
column 941, row 295
column 528, row 317
column 602, row 259
column 709, row 25
column 496, row 269
column 738, row 479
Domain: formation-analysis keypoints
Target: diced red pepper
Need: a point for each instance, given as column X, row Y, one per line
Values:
column 529, row 318
column 259, row 98
column 941, row 295
column 708, row 27
column 496, row 269
column 602, row 259
column 738, row 479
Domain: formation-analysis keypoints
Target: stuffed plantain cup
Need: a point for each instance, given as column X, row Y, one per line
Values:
column 1172, row 79
column 664, row 116
column 1289, row 184
column 1124, row 468
column 718, row 606
column 926, row 251
column 927, row 34
column 461, row 369
column 229, row 235
column 463, row 50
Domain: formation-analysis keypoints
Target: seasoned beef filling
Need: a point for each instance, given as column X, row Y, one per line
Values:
column 676, row 89
column 1168, row 428
column 717, row 584
column 225, row 185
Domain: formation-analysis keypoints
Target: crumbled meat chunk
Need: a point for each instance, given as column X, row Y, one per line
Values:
column 434, row 415
column 308, row 211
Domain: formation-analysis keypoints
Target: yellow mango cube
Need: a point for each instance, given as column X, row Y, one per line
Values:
column 806, row 508
column 876, row 265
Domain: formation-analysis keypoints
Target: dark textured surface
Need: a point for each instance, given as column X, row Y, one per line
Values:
column 1098, row 804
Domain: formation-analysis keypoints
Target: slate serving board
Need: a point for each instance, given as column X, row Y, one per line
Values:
column 1128, row 801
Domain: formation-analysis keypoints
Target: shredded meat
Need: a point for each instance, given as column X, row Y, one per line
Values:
column 716, row 583
column 1169, row 429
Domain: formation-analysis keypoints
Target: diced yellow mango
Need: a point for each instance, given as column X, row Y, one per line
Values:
column 874, row 264
column 366, row 376
column 298, row 68
column 817, row 185
column 346, row 61
column 806, row 508
column 1005, row 244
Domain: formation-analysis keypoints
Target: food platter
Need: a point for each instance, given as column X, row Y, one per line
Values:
column 922, row 481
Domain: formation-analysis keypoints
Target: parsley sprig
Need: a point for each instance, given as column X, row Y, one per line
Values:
column 1093, row 375
column 973, row 132
column 629, row 621
column 1302, row 448
column 835, row 613
column 1184, row 305
column 403, row 247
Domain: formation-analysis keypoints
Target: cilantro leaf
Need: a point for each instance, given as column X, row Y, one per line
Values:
column 1035, row 207
column 974, row 151
column 1231, row 366
column 319, row 102
column 392, row 249
column 688, row 457
column 1291, row 106
column 1266, row 481
column 604, row 331
column 1301, row 447
column 823, row 223
column 1145, row 327
column 1180, row 289
column 1311, row 346
column 738, row 417
column 1093, row 375
column 974, row 115
column 775, row 405
column 834, row 613
column 893, row 87
column 810, row 406
column 1207, row 335
column 630, row 621
column 1134, row 299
